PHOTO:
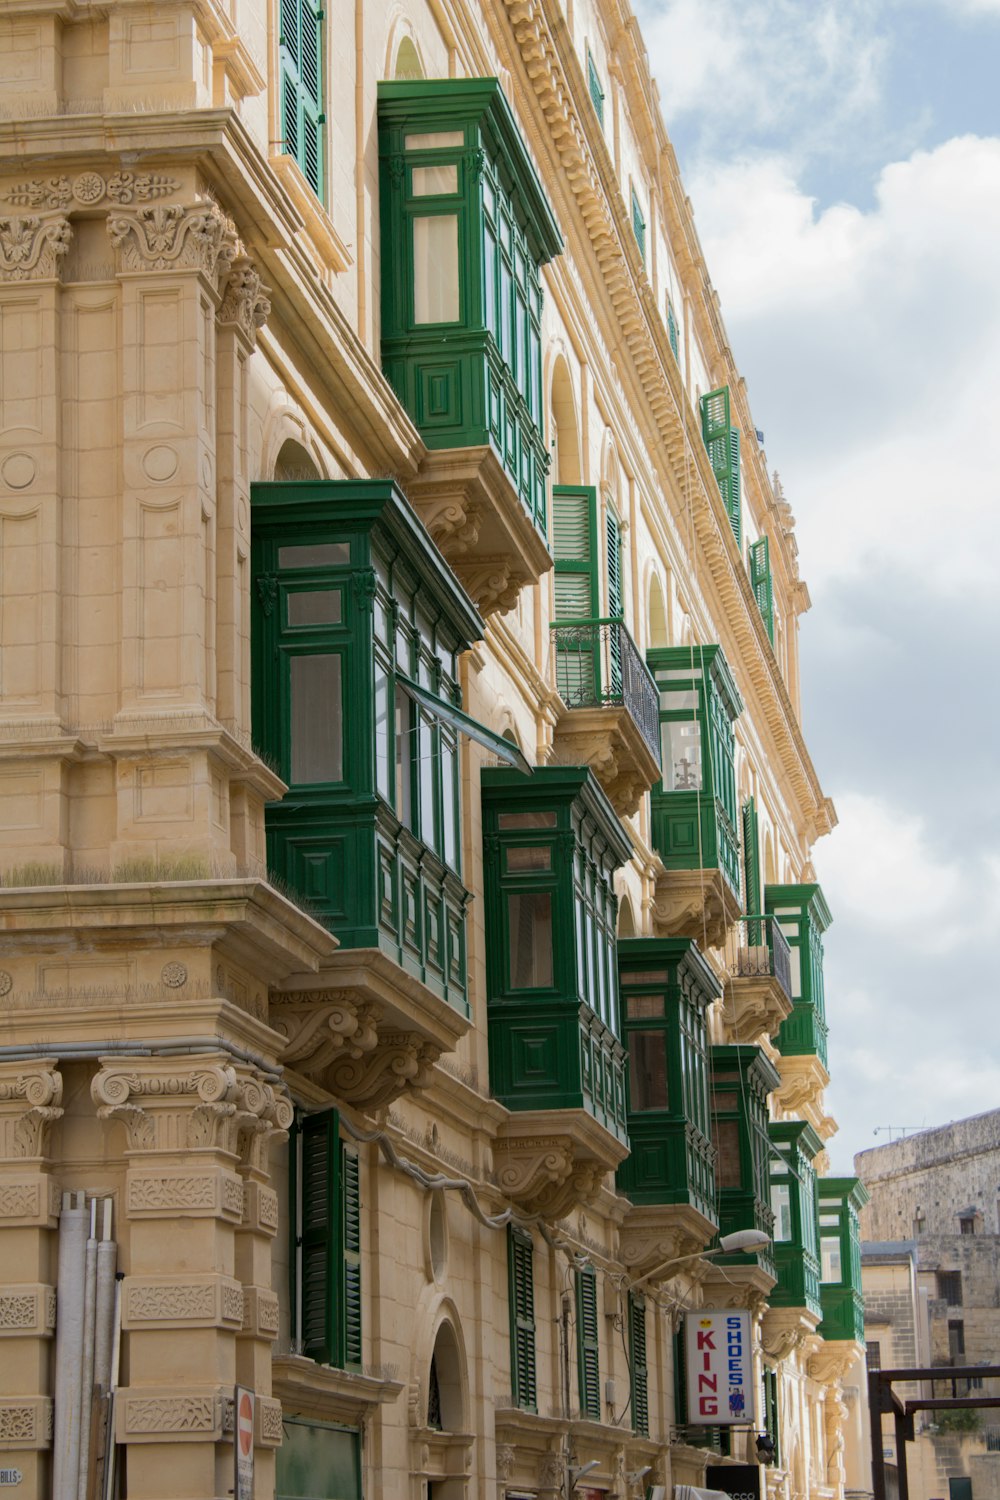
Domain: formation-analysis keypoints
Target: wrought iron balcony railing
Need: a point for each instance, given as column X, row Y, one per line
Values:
column 756, row 948
column 598, row 665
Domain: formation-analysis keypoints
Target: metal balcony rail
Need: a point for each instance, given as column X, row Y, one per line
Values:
column 598, row 665
column 756, row 948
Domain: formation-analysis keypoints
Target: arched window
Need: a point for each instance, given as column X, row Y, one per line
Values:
column 565, row 435
column 445, row 1404
column 656, row 618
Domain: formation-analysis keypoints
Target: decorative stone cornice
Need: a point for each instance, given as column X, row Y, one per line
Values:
column 88, row 188
column 699, row 904
column 552, row 1171
column 320, row 1025
column 32, row 247
column 30, row 1100
column 656, row 1234
column 174, row 237
column 401, row 1060
column 208, row 1105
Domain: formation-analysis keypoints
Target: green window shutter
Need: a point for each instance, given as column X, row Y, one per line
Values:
column 319, row 1135
column 588, row 1346
column 751, row 858
column 760, row 581
column 351, row 1219
column 722, row 440
column 672, row 330
column 616, row 608
column 574, row 547
column 637, row 1364
column 596, row 92
column 680, row 1380
column 522, row 1318
column 639, row 225
column 732, row 494
column 301, row 55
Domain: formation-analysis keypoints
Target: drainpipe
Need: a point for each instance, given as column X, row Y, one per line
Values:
column 69, row 1345
column 87, row 1367
column 107, row 1257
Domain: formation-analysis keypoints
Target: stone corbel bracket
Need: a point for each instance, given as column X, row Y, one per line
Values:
column 344, row 1042
column 30, row 1101
column 547, row 1174
column 655, row 1235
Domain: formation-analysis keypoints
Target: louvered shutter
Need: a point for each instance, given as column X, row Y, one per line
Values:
column 616, row 606
column 751, row 871
column 722, row 441
column 760, row 581
column 588, row 1347
column 522, row 1318
column 596, row 92
column 574, row 547
column 637, row 1364
column 351, row 1231
column 320, row 1249
column 672, row 329
column 638, row 225
column 301, row 54
column 733, row 494
column 680, row 1380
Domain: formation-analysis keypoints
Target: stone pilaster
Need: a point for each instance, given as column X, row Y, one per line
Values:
column 192, row 1126
column 30, row 1102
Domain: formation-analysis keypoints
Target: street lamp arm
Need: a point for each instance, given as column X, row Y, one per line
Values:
column 729, row 1244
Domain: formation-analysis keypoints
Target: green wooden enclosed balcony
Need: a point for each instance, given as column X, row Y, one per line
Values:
column 551, row 844
column 355, row 616
column 694, row 813
column 465, row 230
column 741, row 1079
column 794, row 1206
column 841, row 1200
column 669, row 1175
column 803, row 915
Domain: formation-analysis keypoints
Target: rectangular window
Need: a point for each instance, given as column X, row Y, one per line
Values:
column 647, row 1070
column 588, row 1346
column 314, row 607
column 301, row 59
column 431, row 182
column 639, row 225
column 829, row 1248
column 680, row 750
column 522, row 1318
column 434, row 140
column 315, row 555
column 316, row 719
column 672, row 333
column 949, row 1287
column 726, row 1136
column 435, row 269
column 596, row 91
column 637, row 1364
column 529, row 917
column 781, row 1207
column 521, row 860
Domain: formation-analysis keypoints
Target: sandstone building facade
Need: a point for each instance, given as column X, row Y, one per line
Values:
column 412, row 958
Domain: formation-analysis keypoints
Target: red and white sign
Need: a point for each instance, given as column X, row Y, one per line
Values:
column 719, row 1368
column 243, row 1443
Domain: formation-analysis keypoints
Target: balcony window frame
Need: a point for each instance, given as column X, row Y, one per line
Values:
column 841, row 1200
column 794, row 1147
column 803, row 916
column 740, row 1080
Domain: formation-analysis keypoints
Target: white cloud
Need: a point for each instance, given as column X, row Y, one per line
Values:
column 871, row 340
column 881, row 873
column 758, row 65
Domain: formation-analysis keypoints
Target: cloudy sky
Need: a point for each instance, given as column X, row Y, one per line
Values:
column 843, row 159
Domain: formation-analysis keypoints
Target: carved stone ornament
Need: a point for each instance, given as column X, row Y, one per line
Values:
column 337, row 1038
column 210, row 1104
column 505, row 1460
column 831, row 1362
column 245, row 301
column 401, row 1061
column 545, row 1175
column 26, row 1422
column 91, row 187
column 174, row 236
column 30, row 1100
column 32, row 247
column 551, row 1471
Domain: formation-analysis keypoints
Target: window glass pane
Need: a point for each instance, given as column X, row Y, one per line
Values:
column 435, row 269
column 449, row 795
column 434, row 140
column 781, row 1207
column 382, row 780
column 529, row 859
column 530, row 919
column 724, row 1102
column 644, row 1007
column 647, row 1063
column 645, row 976
column 514, row 821
column 726, row 1135
column 318, row 555
column 829, row 1248
column 430, row 180
column 426, row 743
column 681, row 751
column 679, row 700
column 404, row 725
column 319, row 608
column 316, row 722
column 795, row 965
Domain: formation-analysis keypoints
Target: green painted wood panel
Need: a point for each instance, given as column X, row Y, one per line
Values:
column 638, row 1369
column 521, row 1292
column 588, row 1346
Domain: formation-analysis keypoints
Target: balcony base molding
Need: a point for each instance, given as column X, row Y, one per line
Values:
column 753, row 1008
column 656, row 1233
column 552, row 1161
column 321, row 1391
column 787, row 1329
column 465, row 498
column 832, row 1361
column 800, row 1092
column 607, row 739
column 364, row 1029
column 746, row 1286
column 698, row 904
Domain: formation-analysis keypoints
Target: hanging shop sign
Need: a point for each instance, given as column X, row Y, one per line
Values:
column 739, row 1481
column 719, row 1366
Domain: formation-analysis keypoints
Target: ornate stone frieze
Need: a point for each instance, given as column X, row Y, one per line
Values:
column 505, row 1460
column 201, row 1302
column 30, row 1100
column 26, row 1422
column 32, row 247
column 174, row 236
column 269, row 1431
column 29, row 1200
column 148, row 1416
column 245, row 301
column 88, row 188
column 259, row 1312
column 27, row 1309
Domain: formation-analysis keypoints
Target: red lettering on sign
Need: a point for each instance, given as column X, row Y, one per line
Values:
column 708, row 1407
column 708, row 1382
column 705, row 1339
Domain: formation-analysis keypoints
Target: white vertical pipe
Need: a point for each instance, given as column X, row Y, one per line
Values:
column 107, row 1259
column 69, row 1345
column 87, row 1363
